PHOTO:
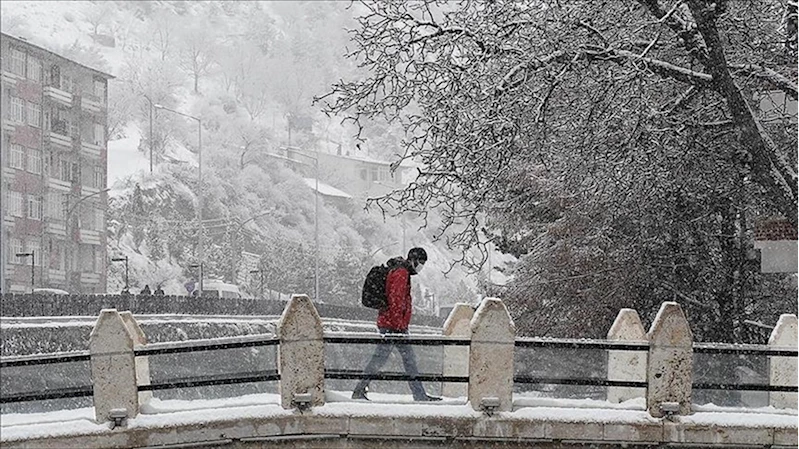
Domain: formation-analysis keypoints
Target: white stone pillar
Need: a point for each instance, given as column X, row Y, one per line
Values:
column 113, row 367
column 782, row 370
column 627, row 365
column 143, row 362
column 670, row 361
column 301, row 354
column 456, row 358
column 491, row 355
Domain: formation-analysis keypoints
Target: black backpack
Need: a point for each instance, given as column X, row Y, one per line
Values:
column 374, row 288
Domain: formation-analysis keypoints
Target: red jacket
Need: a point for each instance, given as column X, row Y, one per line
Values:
column 398, row 289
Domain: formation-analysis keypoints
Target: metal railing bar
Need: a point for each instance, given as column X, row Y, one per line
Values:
column 584, row 381
column 745, row 387
column 357, row 375
column 564, row 343
column 74, row 392
column 411, row 340
column 44, row 359
column 216, row 379
column 743, row 349
column 193, row 346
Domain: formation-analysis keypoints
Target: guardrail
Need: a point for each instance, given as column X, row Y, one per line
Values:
column 479, row 350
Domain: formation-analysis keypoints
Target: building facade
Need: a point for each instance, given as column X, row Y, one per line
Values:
column 54, row 167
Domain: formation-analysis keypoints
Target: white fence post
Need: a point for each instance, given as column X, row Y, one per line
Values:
column 456, row 358
column 491, row 357
column 670, row 362
column 626, row 365
column 782, row 370
column 143, row 362
column 301, row 354
column 113, row 367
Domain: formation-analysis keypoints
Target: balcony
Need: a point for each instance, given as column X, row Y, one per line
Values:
column 89, row 190
column 56, row 275
column 90, row 237
column 59, row 139
column 56, row 227
column 11, row 78
column 91, row 149
column 89, row 278
column 90, row 104
column 58, row 95
column 57, row 184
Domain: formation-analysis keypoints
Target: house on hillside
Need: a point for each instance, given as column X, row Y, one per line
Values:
column 54, row 171
column 358, row 176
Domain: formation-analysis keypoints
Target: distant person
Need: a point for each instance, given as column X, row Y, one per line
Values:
column 159, row 291
column 145, row 291
column 394, row 322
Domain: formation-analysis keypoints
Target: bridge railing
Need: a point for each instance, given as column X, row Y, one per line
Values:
column 479, row 353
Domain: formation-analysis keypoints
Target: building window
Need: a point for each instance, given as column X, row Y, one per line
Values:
column 98, row 260
column 99, row 134
column 374, row 174
column 363, row 174
column 34, row 246
column 55, row 207
column 34, row 207
column 34, row 69
column 67, row 83
column 14, row 203
column 98, row 177
column 17, row 62
column 17, row 109
column 34, row 114
column 16, row 247
column 35, row 161
column 16, row 156
column 99, row 220
column 99, row 90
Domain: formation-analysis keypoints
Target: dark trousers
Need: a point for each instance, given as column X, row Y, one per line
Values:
column 381, row 355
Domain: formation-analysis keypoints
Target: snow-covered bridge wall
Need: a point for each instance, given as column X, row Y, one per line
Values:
column 21, row 305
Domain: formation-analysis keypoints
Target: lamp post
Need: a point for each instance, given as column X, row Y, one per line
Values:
column 200, row 247
column 200, row 266
column 123, row 259
column 32, row 255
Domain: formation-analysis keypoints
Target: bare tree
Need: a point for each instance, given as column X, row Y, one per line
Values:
column 196, row 52
column 614, row 147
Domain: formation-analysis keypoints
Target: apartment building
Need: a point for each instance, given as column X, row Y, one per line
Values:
column 53, row 177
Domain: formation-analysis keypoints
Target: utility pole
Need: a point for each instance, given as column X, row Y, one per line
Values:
column 200, row 243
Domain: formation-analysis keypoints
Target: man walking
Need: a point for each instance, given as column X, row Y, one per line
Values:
column 394, row 322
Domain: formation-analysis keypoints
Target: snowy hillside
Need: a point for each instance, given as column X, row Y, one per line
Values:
column 250, row 70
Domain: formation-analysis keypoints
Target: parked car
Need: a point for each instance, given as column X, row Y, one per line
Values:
column 220, row 289
column 50, row 291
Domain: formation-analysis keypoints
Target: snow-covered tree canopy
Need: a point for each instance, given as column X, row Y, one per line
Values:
column 501, row 86
column 621, row 146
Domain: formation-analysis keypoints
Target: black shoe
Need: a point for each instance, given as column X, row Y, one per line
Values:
column 428, row 398
column 359, row 395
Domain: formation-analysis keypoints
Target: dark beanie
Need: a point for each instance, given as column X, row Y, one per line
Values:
column 417, row 254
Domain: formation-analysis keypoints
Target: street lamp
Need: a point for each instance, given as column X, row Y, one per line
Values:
column 200, row 266
column 200, row 248
column 123, row 259
column 32, row 255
